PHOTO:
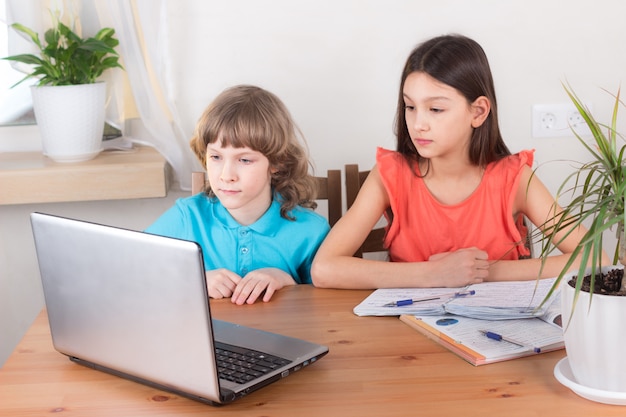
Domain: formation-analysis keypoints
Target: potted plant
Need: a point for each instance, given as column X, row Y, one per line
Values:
column 595, row 366
column 68, row 100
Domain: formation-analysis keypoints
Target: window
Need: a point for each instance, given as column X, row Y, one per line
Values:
column 15, row 103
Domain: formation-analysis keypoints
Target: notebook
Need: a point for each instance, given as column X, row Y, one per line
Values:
column 135, row 305
column 467, row 337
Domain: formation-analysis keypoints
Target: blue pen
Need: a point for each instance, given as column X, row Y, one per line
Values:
column 410, row 301
column 500, row 338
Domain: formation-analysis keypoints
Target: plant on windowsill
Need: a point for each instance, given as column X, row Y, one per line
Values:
column 68, row 68
column 595, row 366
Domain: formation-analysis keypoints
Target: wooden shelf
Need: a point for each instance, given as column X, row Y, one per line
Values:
column 30, row 177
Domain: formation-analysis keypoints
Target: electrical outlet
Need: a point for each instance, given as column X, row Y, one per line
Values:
column 558, row 120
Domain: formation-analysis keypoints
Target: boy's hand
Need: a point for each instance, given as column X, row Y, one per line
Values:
column 255, row 283
column 221, row 282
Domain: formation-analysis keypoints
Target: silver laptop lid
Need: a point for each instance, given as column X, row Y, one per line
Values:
column 114, row 302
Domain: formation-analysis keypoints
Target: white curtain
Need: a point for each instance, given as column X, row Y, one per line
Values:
column 142, row 92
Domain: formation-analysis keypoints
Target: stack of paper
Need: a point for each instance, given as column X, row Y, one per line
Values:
column 489, row 300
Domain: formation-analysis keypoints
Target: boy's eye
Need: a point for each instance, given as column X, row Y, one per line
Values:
column 214, row 157
column 246, row 161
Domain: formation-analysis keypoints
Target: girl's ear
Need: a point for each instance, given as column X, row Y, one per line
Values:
column 481, row 107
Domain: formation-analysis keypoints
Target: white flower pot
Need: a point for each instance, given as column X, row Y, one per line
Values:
column 595, row 339
column 70, row 120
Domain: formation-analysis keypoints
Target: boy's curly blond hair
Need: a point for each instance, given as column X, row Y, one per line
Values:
column 249, row 116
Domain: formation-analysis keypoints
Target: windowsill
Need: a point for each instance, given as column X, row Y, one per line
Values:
column 30, row 177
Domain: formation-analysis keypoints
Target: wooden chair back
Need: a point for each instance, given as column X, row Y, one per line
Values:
column 328, row 188
column 528, row 242
column 354, row 181
column 198, row 181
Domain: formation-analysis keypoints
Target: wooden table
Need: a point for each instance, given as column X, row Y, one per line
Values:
column 377, row 366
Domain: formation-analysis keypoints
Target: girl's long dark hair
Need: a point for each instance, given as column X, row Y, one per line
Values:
column 461, row 63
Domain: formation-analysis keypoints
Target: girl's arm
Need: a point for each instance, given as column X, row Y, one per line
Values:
column 535, row 201
column 335, row 267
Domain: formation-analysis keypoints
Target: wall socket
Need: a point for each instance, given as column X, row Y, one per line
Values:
column 558, row 120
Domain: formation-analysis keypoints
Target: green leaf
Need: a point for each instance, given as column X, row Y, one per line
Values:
column 34, row 36
column 25, row 59
column 97, row 46
column 68, row 33
column 52, row 37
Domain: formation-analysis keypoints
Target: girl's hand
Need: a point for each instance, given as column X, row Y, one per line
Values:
column 267, row 280
column 462, row 267
column 221, row 282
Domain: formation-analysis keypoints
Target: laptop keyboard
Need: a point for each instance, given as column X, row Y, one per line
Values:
column 242, row 365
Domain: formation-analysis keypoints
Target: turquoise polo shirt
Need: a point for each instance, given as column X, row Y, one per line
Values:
column 270, row 242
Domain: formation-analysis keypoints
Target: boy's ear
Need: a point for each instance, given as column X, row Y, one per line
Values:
column 481, row 107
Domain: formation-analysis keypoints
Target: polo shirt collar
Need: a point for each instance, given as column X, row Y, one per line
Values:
column 267, row 225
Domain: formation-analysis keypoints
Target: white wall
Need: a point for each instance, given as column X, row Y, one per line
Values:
column 336, row 64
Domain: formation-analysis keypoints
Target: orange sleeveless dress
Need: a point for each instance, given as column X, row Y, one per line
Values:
column 422, row 226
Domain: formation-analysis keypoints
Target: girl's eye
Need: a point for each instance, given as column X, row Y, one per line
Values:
column 436, row 110
column 408, row 108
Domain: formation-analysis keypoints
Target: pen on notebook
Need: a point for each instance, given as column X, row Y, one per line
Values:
column 410, row 301
column 500, row 338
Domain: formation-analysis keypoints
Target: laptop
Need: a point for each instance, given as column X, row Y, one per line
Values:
column 136, row 305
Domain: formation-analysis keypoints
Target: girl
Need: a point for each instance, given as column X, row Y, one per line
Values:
column 455, row 192
column 255, row 221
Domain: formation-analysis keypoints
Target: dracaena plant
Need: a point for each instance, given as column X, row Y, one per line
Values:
column 598, row 192
column 67, row 59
